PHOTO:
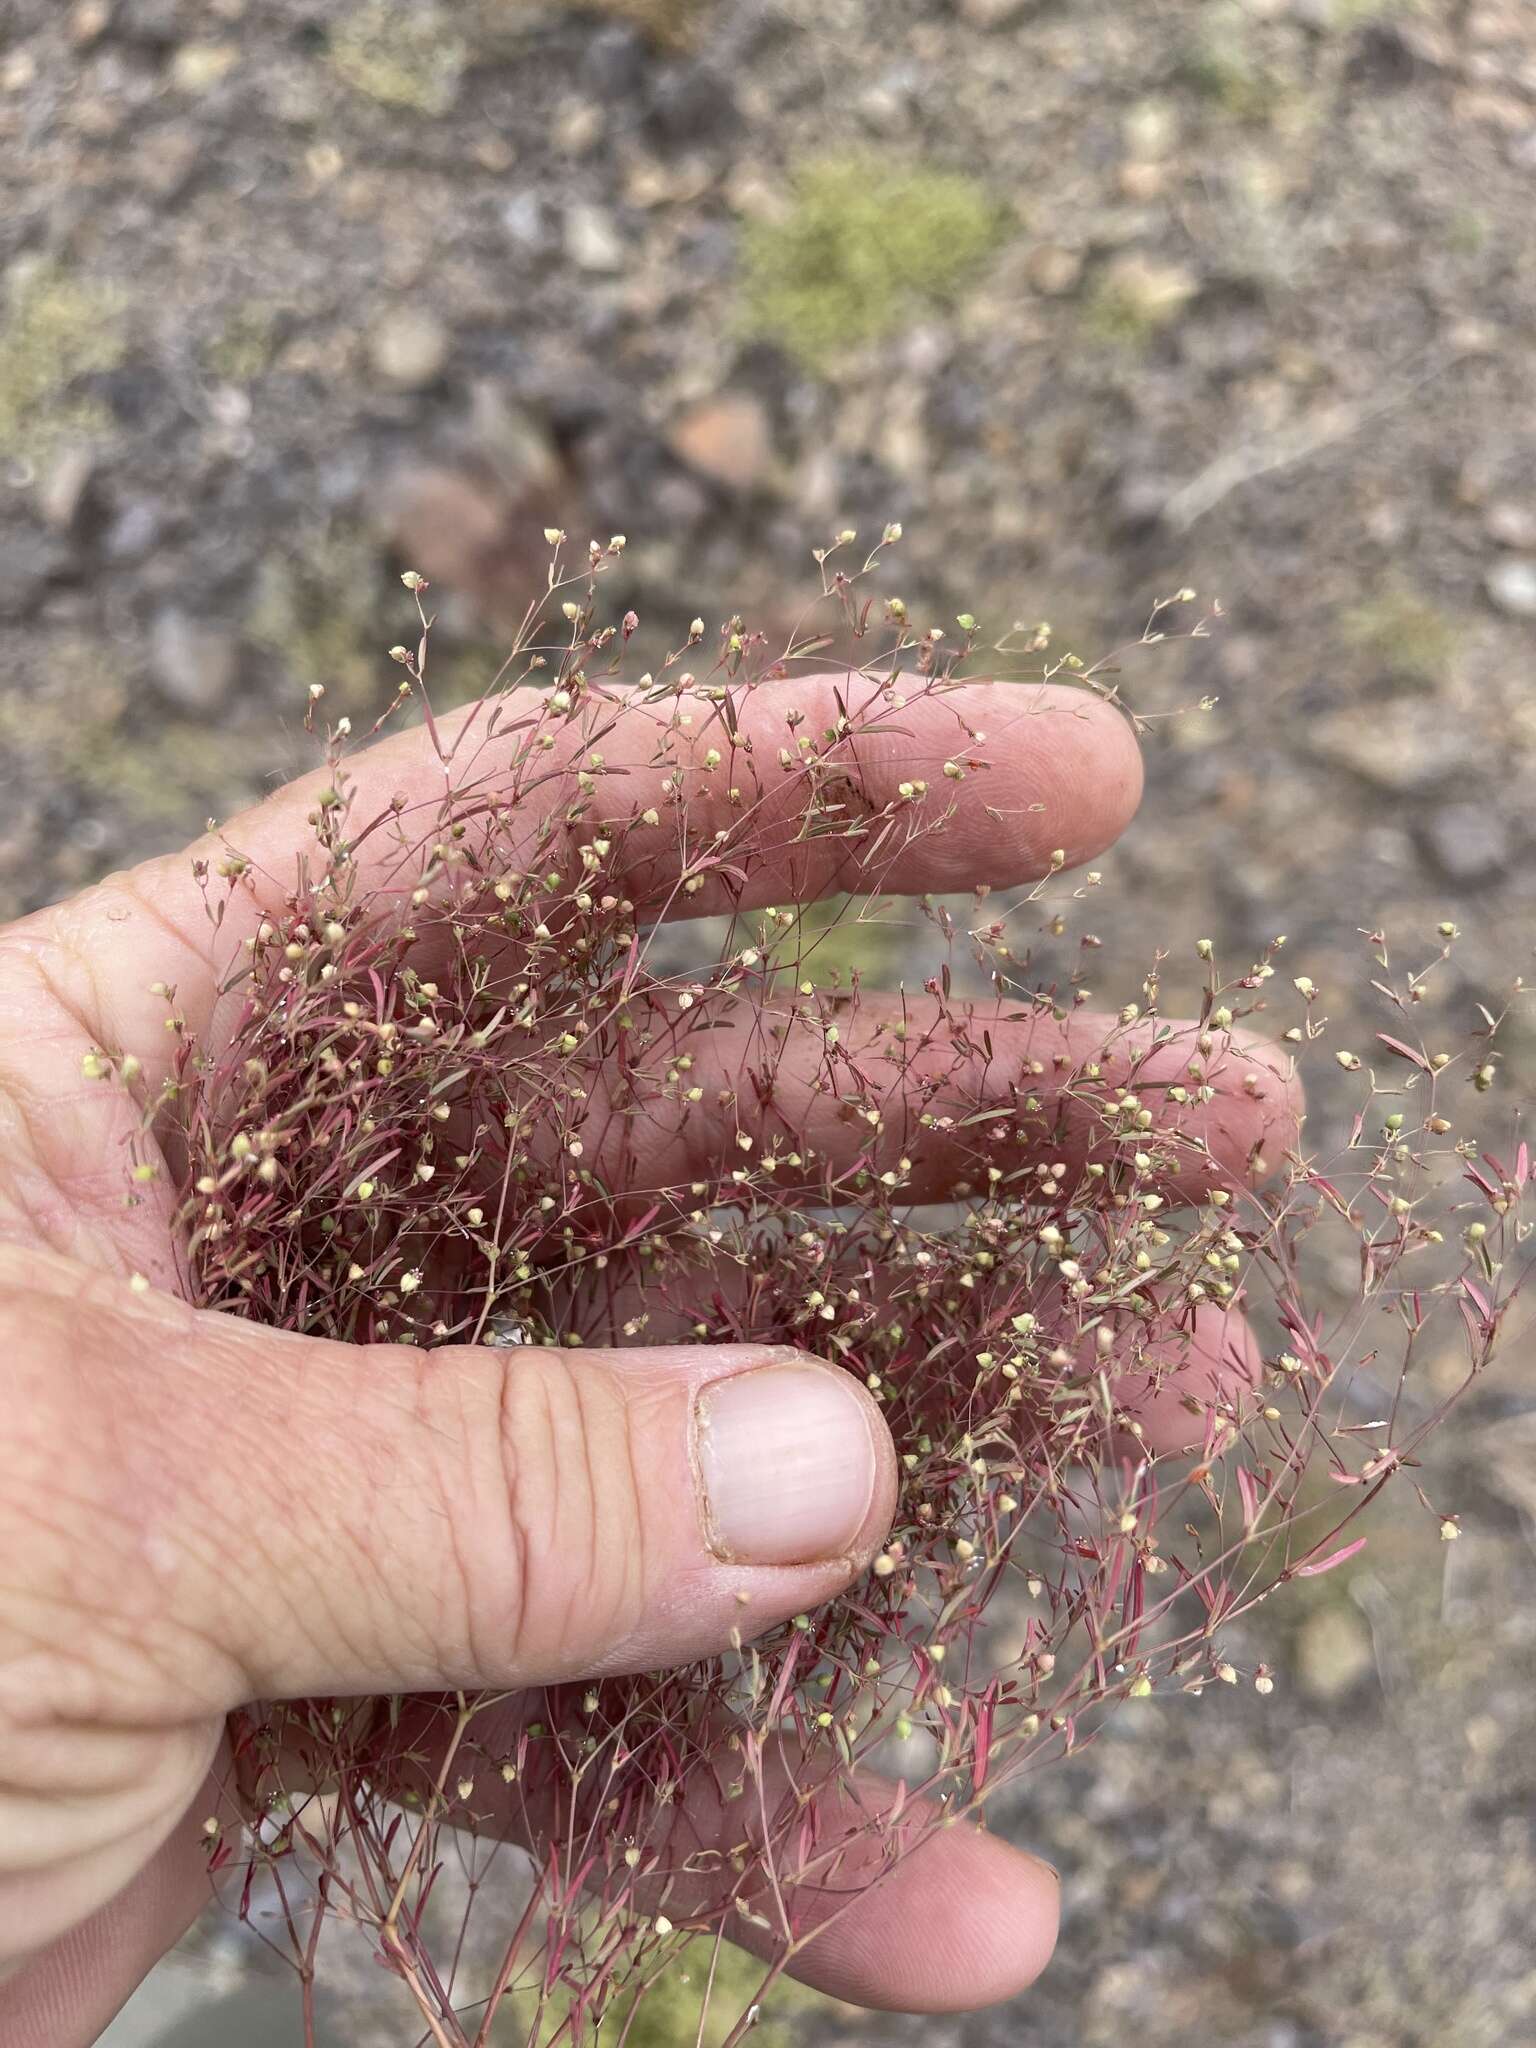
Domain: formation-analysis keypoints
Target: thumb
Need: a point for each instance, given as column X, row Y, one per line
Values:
column 203, row 1512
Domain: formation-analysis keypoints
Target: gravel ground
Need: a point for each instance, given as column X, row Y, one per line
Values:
column 1238, row 294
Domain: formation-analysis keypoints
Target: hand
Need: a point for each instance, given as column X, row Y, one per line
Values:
column 198, row 1512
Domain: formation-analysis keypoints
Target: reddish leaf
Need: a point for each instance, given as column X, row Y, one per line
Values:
column 1326, row 1564
column 1405, row 1052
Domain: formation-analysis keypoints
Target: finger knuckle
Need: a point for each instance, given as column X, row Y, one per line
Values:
column 574, row 1507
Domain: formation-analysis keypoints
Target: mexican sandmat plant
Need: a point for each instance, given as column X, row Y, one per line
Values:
column 460, row 1091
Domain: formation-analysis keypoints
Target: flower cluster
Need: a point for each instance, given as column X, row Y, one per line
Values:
column 471, row 1088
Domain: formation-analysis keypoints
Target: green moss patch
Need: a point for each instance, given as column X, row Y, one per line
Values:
column 865, row 246
column 56, row 331
column 400, row 53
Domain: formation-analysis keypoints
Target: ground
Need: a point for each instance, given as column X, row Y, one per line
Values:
column 1099, row 300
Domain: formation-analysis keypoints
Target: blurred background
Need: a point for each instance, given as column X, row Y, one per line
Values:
column 1098, row 299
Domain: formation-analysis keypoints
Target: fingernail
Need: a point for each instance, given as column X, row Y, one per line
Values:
column 786, row 1464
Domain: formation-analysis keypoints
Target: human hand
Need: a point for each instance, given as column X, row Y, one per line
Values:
column 199, row 1512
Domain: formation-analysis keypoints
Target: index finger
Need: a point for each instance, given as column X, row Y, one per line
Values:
column 1007, row 782
column 1016, row 773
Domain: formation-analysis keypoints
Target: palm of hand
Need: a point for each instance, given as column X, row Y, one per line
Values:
column 170, row 1559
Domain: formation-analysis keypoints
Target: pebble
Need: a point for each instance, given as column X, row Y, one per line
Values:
column 1150, row 130
column 165, row 160
column 1052, row 269
column 87, row 20
column 1468, row 841
column 134, row 530
column 1512, row 586
column 691, row 103
column 577, row 127
column 153, row 21
column 192, row 661
column 1384, row 56
column 28, row 562
column 199, row 67
column 991, row 14
column 727, row 438
column 409, row 348
column 1141, row 499
column 1511, row 525
column 1142, row 182
column 477, row 534
column 523, row 218
column 516, row 443
column 1394, row 747
column 591, row 240
column 1152, row 290
column 62, row 492
column 1333, row 1653
column 442, row 521
column 613, row 62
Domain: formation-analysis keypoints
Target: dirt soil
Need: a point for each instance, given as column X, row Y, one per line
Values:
column 297, row 295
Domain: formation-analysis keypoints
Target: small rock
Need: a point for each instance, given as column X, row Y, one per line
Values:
column 28, row 563
column 1383, row 57
column 1508, row 113
column 523, row 218
column 1394, row 747
column 199, row 67
column 1149, row 292
column 882, row 108
column 492, row 153
column 474, row 533
column 192, row 661
column 62, row 492
column 134, row 531
column 902, row 440
column 161, row 22
column 512, row 441
column 165, row 161
column 591, row 239
column 1387, row 523
column 1472, row 337
column 409, row 348
column 1511, row 525
column 577, row 127
column 1142, row 182
column 925, row 350
column 676, row 504
column 1476, row 478
column 1468, row 841
column 726, row 438
column 443, row 521
column 987, row 14
column 691, row 103
column 818, row 488
column 1150, row 131
column 87, row 19
column 1052, row 269
column 613, row 62
column 142, row 398
column 651, row 182
column 1141, row 499
column 1333, row 1653
column 1512, row 586
column 707, row 249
